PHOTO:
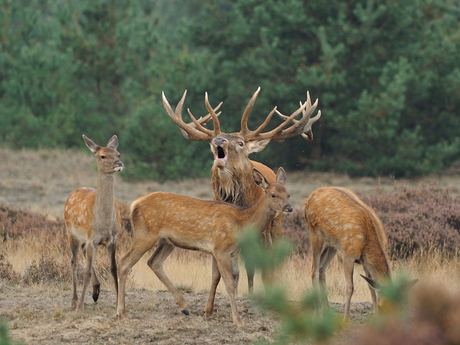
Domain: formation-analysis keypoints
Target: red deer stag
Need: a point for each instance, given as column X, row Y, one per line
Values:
column 232, row 169
column 173, row 220
column 339, row 221
column 92, row 218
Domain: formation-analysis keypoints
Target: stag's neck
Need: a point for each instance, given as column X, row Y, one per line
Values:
column 105, row 199
column 235, row 186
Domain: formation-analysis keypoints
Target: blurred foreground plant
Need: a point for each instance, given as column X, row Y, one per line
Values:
column 298, row 321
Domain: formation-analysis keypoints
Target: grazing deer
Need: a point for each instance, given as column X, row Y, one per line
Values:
column 339, row 221
column 92, row 218
column 232, row 169
column 173, row 220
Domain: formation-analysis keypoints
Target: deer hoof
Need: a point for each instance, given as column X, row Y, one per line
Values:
column 95, row 297
column 185, row 311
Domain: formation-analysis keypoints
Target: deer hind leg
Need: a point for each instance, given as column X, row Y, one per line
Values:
column 74, row 246
column 134, row 254
column 225, row 268
column 155, row 262
column 348, row 267
column 111, row 249
column 212, row 293
column 90, row 254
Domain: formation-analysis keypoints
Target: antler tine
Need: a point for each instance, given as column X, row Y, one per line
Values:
column 265, row 123
column 189, row 132
column 302, row 126
column 215, row 120
column 244, row 118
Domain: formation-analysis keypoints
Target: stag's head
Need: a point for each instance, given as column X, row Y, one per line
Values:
column 231, row 150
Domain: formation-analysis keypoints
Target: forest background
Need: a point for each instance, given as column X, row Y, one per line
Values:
column 386, row 73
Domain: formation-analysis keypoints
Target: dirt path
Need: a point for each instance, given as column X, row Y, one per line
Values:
column 41, row 315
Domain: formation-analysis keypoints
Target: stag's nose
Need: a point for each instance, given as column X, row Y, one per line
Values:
column 219, row 141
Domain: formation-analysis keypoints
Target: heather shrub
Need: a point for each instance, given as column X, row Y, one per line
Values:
column 420, row 219
column 53, row 265
column 423, row 218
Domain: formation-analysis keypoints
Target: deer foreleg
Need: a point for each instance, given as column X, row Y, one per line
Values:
column 348, row 266
column 90, row 254
column 111, row 249
column 74, row 245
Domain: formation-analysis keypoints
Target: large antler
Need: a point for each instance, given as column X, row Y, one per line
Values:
column 298, row 127
column 306, row 131
column 194, row 130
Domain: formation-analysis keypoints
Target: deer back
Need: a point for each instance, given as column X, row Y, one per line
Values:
column 192, row 223
column 343, row 221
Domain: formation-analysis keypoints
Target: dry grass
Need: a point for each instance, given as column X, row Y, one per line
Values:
column 41, row 180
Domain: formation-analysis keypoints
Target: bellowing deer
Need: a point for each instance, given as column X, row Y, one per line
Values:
column 232, row 169
column 338, row 220
column 173, row 220
column 92, row 218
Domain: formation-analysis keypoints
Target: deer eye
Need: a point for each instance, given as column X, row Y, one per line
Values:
column 103, row 157
column 241, row 143
column 273, row 195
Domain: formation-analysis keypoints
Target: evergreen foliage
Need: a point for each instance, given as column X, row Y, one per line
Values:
column 386, row 74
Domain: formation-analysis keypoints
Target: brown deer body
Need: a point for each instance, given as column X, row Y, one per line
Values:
column 338, row 221
column 92, row 218
column 173, row 220
column 232, row 169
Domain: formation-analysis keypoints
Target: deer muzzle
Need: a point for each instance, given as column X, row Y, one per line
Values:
column 219, row 146
column 118, row 166
column 288, row 209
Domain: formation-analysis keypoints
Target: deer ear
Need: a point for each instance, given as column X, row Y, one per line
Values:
column 281, row 176
column 372, row 283
column 259, row 179
column 91, row 145
column 257, row 145
column 113, row 142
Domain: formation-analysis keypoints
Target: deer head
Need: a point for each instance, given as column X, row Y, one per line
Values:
column 107, row 158
column 231, row 150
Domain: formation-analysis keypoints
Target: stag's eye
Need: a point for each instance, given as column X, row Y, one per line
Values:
column 241, row 143
column 273, row 195
column 103, row 157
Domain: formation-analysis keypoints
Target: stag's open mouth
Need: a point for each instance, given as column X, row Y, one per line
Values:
column 220, row 153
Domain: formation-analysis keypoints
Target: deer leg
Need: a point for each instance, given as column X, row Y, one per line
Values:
column 225, row 268
column 212, row 292
column 236, row 274
column 94, row 280
column 373, row 294
column 326, row 258
column 111, row 249
column 156, row 264
column 74, row 245
column 134, row 254
column 348, row 266
column 90, row 254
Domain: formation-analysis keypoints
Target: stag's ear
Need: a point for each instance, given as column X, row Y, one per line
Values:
column 91, row 145
column 259, row 179
column 257, row 145
column 113, row 142
column 281, row 176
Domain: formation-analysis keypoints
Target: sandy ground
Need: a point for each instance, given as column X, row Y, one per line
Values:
column 42, row 315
